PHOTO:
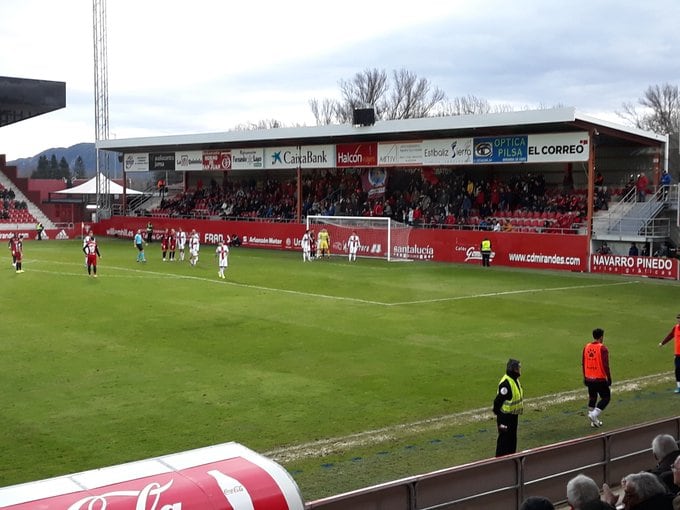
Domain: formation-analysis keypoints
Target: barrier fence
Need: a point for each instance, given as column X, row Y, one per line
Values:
column 503, row 483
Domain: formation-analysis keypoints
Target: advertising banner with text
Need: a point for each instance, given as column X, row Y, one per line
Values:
column 221, row 477
column 216, row 160
column 529, row 250
column 247, row 159
column 162, row 161
column 189, row 161
column 305, row 156
column 136, row 162
column 356, row 154
column 654, row 267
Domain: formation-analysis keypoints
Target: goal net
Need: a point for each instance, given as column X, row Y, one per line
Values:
column 379, row 237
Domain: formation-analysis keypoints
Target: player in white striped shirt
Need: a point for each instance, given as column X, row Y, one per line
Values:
column 353, row 244
column 222, row 254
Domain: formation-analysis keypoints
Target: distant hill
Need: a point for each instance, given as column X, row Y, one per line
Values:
column 26, row 166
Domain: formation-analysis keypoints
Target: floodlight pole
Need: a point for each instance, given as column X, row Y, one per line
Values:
column 101, row 98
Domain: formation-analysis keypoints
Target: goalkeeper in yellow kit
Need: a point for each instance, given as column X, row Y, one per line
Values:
column 324, row 243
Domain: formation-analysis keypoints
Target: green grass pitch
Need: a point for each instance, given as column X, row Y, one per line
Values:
column 286, row 357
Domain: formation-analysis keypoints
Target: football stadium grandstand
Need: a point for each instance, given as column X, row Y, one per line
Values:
column 552, row 184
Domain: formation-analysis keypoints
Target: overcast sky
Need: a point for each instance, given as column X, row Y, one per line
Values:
column 179, row 67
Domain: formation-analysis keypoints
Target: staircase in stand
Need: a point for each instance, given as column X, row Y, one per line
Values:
column 630, row 220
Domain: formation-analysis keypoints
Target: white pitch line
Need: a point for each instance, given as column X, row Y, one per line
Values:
column 335, row 298
column 371, row 437
column 157, row 274
column 507, row 293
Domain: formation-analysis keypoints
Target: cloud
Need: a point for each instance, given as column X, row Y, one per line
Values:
column 210, row 65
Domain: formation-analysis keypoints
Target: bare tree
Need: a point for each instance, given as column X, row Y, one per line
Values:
column 366, row 89
column 260, row 124
column 324, row 112
column 465, row 105
column 405, row 96
column 411, row 97
column 661, row 113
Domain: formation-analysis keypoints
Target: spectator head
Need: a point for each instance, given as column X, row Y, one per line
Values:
column 639, row 487
column 663, row 445
column 582, row 490
column 675, row 467
column 536, row 503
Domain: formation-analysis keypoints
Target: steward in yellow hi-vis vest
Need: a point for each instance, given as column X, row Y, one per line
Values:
column 596, row 376
column 675, row 335
column 485, row 249
column 507, row 406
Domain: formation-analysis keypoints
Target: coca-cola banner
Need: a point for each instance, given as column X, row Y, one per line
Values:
column 222, row 477
column 568, row 252
column 655, row 267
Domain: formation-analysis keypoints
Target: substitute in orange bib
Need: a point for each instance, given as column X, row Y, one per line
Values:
column 675, row 335
column 507, row 406
column 596, row 376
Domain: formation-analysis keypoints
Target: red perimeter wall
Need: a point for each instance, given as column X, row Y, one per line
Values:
column 537, row 251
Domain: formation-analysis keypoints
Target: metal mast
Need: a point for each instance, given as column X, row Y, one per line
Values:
column 101, row 102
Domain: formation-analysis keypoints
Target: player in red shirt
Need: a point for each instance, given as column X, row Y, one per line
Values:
column 91, row 252
column 172, row 244
column 11, row 244
column 165, row 243
column 18, row 254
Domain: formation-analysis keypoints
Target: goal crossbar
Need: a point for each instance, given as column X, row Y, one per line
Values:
column 376, row 233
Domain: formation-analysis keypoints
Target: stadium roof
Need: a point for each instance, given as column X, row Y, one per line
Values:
column 22, row 98
column 558, row 120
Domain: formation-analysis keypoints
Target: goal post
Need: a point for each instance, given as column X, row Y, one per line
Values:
column 378, row 235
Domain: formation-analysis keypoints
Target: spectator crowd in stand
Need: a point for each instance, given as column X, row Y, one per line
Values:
column 8, row 204
column 452, row 199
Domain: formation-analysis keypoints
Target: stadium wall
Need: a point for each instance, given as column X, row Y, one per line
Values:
column 568, row 252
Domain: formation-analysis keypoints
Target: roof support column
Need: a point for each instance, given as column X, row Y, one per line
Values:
column 298, row 205
column 298, row 173
column 591, row 183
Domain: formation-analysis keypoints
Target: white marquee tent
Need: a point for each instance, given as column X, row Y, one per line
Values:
column 106, row 186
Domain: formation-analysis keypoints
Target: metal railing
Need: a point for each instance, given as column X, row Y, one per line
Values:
column 505, row 482
column 630, row 217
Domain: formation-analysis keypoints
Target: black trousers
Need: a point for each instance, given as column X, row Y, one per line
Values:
column 598, row 389
column 507, row 438
column 486, row 258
